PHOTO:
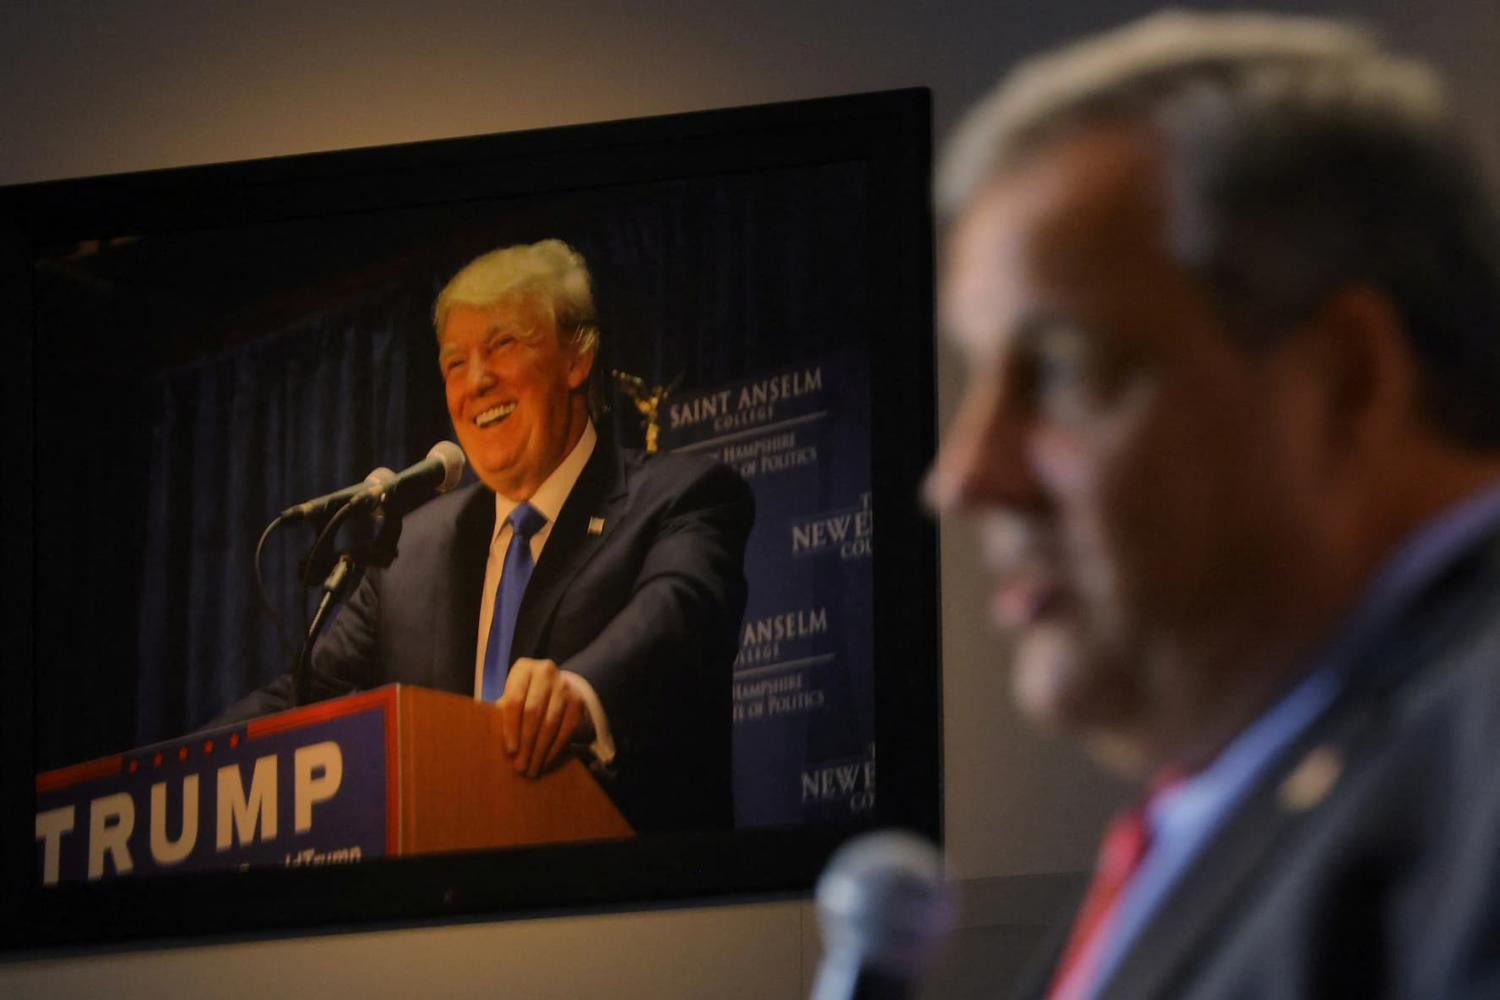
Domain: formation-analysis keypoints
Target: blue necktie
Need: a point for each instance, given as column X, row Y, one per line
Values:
column 525, row 521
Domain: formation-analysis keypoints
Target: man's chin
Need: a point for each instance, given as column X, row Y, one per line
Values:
column 1058, row 683
column 1044, row 676
column 1061, row 685
column 502, row 481
column 492, row 467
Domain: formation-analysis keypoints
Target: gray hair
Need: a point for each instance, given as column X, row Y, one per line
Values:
column 1302, row 158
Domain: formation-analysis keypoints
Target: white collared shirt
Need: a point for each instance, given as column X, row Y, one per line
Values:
column 548, row 501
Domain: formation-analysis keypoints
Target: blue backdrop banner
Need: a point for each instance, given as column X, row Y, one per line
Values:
column 804, row 726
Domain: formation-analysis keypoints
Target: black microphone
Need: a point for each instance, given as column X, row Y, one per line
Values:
column 328, row 503
column 414, row 485
column 886, row 910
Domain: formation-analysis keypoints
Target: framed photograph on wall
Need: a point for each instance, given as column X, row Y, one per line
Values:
column 195, row 352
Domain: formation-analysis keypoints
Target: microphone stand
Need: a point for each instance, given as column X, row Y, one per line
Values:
column 348, row 568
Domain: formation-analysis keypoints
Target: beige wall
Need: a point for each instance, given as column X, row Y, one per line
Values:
column 101, row 87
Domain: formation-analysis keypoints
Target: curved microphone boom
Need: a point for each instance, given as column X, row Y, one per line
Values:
column 886, row 910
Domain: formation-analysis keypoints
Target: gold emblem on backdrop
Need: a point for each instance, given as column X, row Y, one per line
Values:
column 647, row 399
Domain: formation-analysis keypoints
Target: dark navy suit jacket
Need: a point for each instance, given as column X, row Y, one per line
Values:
column 1388, row 885
column 647, row 610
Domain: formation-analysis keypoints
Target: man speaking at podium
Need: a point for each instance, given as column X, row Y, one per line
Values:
column 1228, row 290
column 595, row 593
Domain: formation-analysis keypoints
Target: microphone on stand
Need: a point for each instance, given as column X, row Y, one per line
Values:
column 318, row 512
column 414, row 485
column 328, row 503
column 388, row 500
column 886, row 910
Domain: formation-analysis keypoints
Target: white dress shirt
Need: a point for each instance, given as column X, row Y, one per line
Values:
column 548, row 501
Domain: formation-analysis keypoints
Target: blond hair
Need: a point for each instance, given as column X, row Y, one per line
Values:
column 548, row 273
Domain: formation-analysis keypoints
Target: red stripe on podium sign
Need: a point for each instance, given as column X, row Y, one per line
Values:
column 77, row 774
column 326, row 711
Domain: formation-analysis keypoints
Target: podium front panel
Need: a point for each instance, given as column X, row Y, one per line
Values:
column 315, row 786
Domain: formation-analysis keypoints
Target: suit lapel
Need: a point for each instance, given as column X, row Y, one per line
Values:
column 600, row 493
column 1036, row 974
column 1224, row 875
column 455, row 632
column 1200, row 908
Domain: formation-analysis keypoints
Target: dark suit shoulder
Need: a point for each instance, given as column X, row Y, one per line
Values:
column 683, row 474
column 1398, row 859
column 1455, row 642
column 441, row 514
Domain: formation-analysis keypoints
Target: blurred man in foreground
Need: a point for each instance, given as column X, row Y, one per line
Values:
column 1228, row 291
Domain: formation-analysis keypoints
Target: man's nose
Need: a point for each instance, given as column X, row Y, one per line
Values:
column 480, row 376
column 983, row 458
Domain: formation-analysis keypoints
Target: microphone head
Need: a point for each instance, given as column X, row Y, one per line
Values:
column 884, row 900
column 452, row 457
column 380, row 477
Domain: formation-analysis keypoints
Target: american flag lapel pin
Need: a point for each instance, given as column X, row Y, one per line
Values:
column 596, row 525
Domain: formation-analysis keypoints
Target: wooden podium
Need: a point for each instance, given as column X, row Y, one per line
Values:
column 459, row 792
column 395, row 771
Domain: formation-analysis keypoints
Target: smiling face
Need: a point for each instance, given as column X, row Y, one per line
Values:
column 515, row 392
column 1138, row 479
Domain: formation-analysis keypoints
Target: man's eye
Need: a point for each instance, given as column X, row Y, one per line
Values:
column 1059, row 372
column 1059, row 368
column 452, row 366
column 1064, row 378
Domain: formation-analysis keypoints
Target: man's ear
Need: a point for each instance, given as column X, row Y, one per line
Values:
column 580, row 364
column 1357, row 348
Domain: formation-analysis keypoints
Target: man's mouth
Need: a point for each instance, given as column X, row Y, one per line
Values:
column 1025, row 558
column 1025, row 600
column 494, row 415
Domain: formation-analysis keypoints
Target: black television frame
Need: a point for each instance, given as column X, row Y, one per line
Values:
column 891, row 132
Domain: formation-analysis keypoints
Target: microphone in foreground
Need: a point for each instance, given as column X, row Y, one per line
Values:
column 885, row 910
column 414, row 485
column 326, row 505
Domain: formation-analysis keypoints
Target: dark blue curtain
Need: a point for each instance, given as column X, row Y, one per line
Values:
column 232, row 441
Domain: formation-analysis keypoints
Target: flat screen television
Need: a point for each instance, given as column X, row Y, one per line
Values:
column 192, row 350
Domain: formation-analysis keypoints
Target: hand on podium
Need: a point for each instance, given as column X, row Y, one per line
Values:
column 544, row 709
